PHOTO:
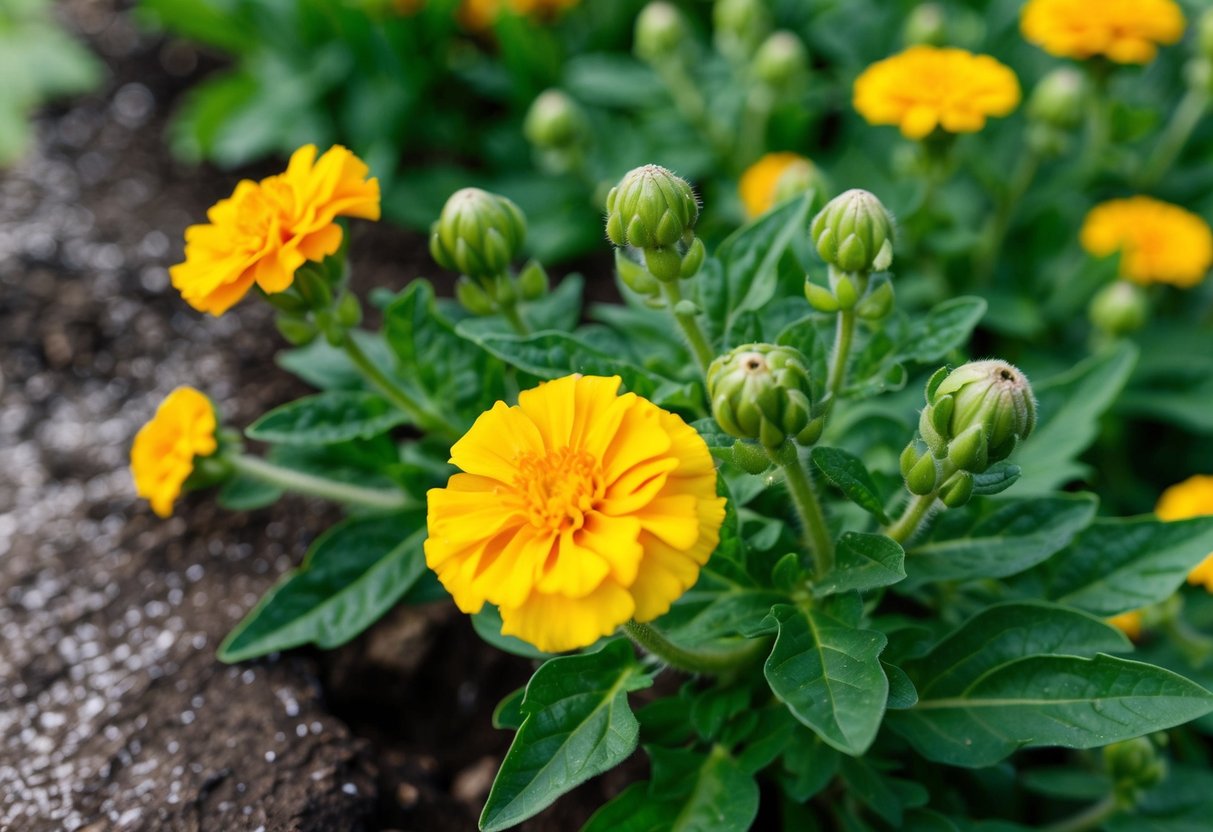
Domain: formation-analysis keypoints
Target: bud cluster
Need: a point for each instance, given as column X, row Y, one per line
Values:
column 763, row 392
column 854, row 235
column 655, row 211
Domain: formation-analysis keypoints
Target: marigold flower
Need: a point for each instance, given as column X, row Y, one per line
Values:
column 1126, row 31
column 1128, row 623
column 162, row 457
column 266, row 230
column 578, row 509
column 926, row 87
column 1158, row 242
column 1191, row 498
column 759, row 184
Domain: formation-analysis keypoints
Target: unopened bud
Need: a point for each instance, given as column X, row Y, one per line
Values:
column 958, row 490
column 554, row 122
column 472, row 296
column 854, row 233
column 781, row 61
column 1059, row 100
column 877, row 303
column 922, row 475
column 977, row 414
column 926, row 24
column 738, row 26
column 651, row 208
column 1119, row 308
column 761, row 391
column 533, row 281
column 1134, row 766
column 478, row 233
column 634, row 275
column 660, row 32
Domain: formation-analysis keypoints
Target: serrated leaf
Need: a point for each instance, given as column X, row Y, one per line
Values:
column 327, row 418
column 829, row 674
column 1017, row 536
column 578, row 725
column 946, row 327
column 848, row 473
column 863, row 562
column 1049, row 701
column 351, row 576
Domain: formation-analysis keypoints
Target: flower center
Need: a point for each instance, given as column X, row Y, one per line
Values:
column 559, row 488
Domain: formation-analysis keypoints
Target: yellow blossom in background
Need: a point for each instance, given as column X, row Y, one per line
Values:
column 162, row 457
column 759, row 185
column 266, row 230
column 577, row 509
column 1126, row 31
column 1191, row 498
column 1158, row 242
column 926, row 87
column 478, row 15
column 1128, row 623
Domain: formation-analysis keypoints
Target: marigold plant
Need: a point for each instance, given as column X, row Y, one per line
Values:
column 1125, row 31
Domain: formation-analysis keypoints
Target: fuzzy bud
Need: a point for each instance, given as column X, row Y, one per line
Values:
column 761, row 391
column 1059, row 100
column 478, row 233
column 854, row 233
column 1119, row 308
column 977, row 414
column 660, row 32
column 781, row 61
column 651, row 208
column 738, row 26
column 554, row 122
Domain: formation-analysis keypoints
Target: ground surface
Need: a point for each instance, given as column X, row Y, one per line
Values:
column 114, row 713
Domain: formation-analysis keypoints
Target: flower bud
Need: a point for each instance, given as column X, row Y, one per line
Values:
column 781, row 61
column 1059, row 100
column 349, row 310
column 762, row 391
column 533, row 281
column 958, row 490
column 634, row 275
column 926, row 24
column 977, row 414
column 1134, row 766
column 1119, row 308
column 472, row 296
column 877, row 303
column 478, row 233
column 660, row 32
column 739, row 26
column 854, row 233
column 692, row 261
column 554, row 122
column 651, row 208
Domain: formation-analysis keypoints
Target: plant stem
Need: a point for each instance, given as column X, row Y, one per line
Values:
column 394, row 393
column 713, row 662
column 1090, row 818
column 844, row 333
column 698, row 341
column 1099, row 129
column 995, row 231
column 816, row 532
column 289, row 479
column 510, row 312
column 1178, row 130
column 912, row 517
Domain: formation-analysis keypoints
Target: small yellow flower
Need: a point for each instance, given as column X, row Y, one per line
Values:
column 162, row 457
column 266, row 230
column 758, row 186
column 1128, row 623
column 578, row 509
column 1158, row 242
column 1191, row 498
column 926, row 87
column 1126, row 31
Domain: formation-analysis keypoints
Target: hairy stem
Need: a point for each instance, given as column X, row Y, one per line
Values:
column 689, row 324
column 816, row 533
column 289, row 479
column 844, row 333
column 912, row 517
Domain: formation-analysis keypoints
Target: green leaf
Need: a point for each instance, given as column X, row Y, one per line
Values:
column 809, row 765
column 1005, row 633
column 351, row 576
column 1049, row 701
column 863, row 562
column 508, row 713
column 326, row 367
column 888, row 797
column 902, row 693
column 848, row 473
column 946, row 327
column 327, row 418
column 242, row 493
column 829, row 674
column 1122, row 564
column 996, row 479
column 1017, row 536
column 578, row 725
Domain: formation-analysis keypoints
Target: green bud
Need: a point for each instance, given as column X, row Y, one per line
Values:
column 922, row 476
column 958, row 490
column 298, row 332
column 349, row 310
column 845, row 289
column 1134, row 766
column 1119, row 308
column 660, row 32
column 762, row 391
column 781, row 61
column 472, row 297
column 798, row 178
column 854, row 233
column 665, row 263
column 651, row 208
column 877, row 303
column 692, row 261
column 751, row 458
column 554, row 122
column 926, row 24
column 1059, row 100
column 909, row 458
column 533, row 281
column 738, row 26
column 478, row 233
column 686, row 309
column 634, row 275
column 819, row 297
column 978, row 414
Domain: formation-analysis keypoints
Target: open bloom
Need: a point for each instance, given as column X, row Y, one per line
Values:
column 1126, row 31
column 926, row 87
column 1158, row 242
column 266, row 230
column 162, row 457
column 760, row 184
column 1191, row 498
column 578, row 509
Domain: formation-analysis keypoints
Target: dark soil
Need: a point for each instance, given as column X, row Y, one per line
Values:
column 114, row 713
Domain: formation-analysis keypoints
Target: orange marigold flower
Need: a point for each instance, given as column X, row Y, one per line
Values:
column 926, row 87
column 759, row 185
column 1126, row 31
column 1191, row 498
column 578, row 509
column 162, row 457
column 1128, row 623
column 266, row 230
column 1158, row 242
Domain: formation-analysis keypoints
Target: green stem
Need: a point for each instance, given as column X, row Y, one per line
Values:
column 816, row 532
column 510, row 312
column 289, row 479
column 752, row 135
column 1178, row 130
column 912, row 517
column 995, row 231
column 844, row 333
column 394, row 393
column 698, row 341
column 1099, row 128
column 713, row 662
column 1090, row 818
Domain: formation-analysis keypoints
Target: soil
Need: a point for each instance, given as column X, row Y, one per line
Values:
column 114, row 712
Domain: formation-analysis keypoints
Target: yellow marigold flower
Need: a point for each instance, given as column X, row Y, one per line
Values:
column 266, row 230
column 758, row 186
column 926, row 87
column 1191, row 498
column 162, row 457
column 1158, row 242
column 1128, row 623
column 1126, row 31
column 578, row 509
